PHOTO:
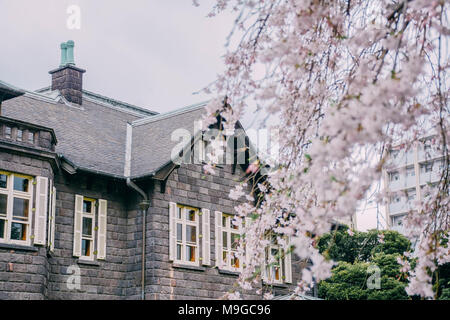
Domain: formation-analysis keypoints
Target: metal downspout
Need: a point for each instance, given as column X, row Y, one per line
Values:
column 144, row 205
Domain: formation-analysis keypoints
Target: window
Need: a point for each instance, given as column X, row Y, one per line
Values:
column 394, row 176
column 397, row 221
column 19, row 135
column 427, row 167
column 90, row 227
column 187, row 244
column 394, row 153
column 87, row 230
column 277, row 265
column 30, row 137
column 15, row 208
column 411, row 195
column 410, row 172
column 8, row 132
column 230, row 243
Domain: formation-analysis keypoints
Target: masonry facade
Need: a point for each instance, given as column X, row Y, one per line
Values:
column 84, row 179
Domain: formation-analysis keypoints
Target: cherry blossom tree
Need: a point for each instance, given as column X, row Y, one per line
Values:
column 345, row 79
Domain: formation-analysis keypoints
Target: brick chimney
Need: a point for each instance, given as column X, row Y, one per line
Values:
column 68, row 79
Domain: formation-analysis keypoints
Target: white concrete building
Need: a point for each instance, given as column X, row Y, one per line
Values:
column 405, row 174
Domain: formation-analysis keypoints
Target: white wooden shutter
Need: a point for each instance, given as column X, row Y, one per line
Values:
column 102, row 224
column 248, row 221
column 172, row 231
column 50, row 201
column 52, row 222
column 206, row 236
column 264, row 274
column 40, row 226
column 77, row 229
column 218, row 239
column 288, row 266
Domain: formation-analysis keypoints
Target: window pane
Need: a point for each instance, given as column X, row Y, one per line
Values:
column 20, row 184
column 18, row 231
column 8, row 132
column 179, row 232
column 86, row 247
column 178, row 212
column 234, row 261
column 225, row 257
column 3, row 202
column 20, row 208
column 179, row 248
column 19, row 135
column 30, row 137
column 3, row 181
column 277, row 273
column 234, row 241
column 225, row 239
column 190, row 215
column 224, row 221
column 87, row 206
column 191, row 234
column 2, row 228
column 87, row 226
column 190, row 253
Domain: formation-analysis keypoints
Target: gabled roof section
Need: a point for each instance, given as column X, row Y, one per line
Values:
column 152, row 143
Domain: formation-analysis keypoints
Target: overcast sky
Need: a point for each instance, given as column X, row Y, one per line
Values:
column 150, row 53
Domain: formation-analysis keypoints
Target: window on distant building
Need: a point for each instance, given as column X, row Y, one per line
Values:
column 394, row 176
column 15, row 208
column 395, row 153
column 411, row 195
column 427, row 167
column 410, row 172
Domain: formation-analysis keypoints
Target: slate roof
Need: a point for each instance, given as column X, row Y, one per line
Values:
column 93, row 136
column 152, row 138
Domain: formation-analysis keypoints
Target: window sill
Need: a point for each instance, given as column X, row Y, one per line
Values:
column 188, row 267
column 229, row 272
column 88, row 263
column 18, row 247
column 278, row 285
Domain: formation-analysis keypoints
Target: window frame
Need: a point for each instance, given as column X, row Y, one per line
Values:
column 229, row 230
column 183, row 242
column 9, row 219
column 92, row 238
column 269, row 269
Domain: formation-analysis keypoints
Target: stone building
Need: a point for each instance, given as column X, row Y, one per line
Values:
column 85, row 178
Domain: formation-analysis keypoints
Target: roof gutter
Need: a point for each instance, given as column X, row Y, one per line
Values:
column 143, row 206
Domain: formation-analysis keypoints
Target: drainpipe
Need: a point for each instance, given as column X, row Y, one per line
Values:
column 143, row 206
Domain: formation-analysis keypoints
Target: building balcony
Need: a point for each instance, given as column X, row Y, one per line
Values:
column 23, row 135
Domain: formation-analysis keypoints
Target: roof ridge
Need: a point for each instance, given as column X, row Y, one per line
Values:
column 109, row 102
column 163, row 116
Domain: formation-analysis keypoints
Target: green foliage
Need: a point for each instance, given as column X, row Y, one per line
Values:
column 361, row 246
column 355, row 253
